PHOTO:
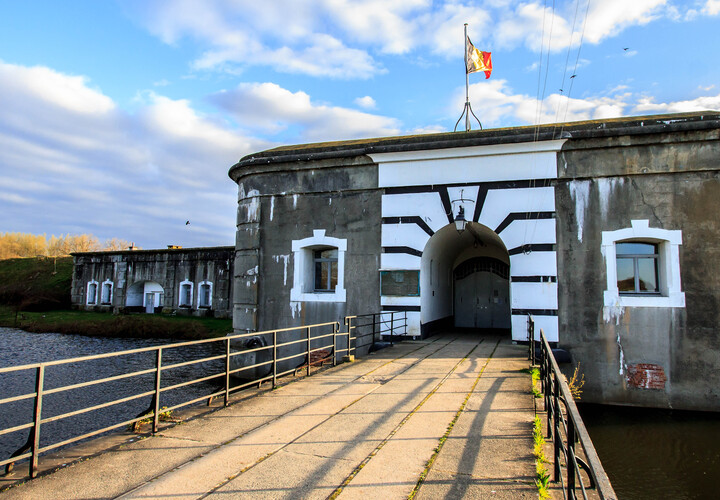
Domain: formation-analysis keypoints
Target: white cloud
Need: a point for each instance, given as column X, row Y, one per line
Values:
column 712, row 7
column 343, row 38
column 366, row 102
column 704, row 103
column 71, row 161
column 273, row 108
column 502, row 107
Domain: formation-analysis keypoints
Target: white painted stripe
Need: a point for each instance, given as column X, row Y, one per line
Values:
column 387, row 300
column 534, row 264
column 534, row 295
column 471, row 151
column 468, row 193
column 390, row 261
column 500, row 202
column 548, row 324
column 468, row 169
column 426, row 205
column 525, row 232
column 404, row 235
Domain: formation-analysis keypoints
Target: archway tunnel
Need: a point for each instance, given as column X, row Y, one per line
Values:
column 465, row 281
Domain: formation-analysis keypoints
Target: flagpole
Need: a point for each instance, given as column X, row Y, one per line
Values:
column 467, row 83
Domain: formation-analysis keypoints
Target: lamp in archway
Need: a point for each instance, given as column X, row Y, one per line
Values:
column 460, row 222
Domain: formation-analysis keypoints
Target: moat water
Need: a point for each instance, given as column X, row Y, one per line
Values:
column 20, row 348
column 652, row 454
column 648, row 454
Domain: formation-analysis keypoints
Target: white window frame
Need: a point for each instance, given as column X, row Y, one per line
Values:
column 187, row 305
column 303, row 289
column 668, row 242
column 107, row 284
column 200, row 287
column 94, row 296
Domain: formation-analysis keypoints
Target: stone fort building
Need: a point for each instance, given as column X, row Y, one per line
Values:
column 186, row 281
column 604, row 231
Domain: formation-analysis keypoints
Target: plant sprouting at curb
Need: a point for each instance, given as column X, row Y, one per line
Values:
column 165, row 415
column 542, row 475
column 576, row 384
column 535, row 373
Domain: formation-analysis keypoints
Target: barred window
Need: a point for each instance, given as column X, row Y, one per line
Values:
column 92, row 293
column 186, row 292
column 482, row 264
column 205, row 294
column 107, row 291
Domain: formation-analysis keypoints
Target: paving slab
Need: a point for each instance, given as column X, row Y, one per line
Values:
column 489, row 451
column 366, row 429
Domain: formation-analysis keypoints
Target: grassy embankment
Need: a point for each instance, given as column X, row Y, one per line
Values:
column 35, row 296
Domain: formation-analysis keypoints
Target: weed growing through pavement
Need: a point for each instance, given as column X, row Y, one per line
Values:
column 542, row 475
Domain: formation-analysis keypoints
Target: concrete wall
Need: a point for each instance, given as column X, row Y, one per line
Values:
column 644, row 356
column 167, row 268
column 287, row 203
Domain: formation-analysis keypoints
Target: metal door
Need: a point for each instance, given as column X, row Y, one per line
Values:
column 150, row 303
column 473, row 301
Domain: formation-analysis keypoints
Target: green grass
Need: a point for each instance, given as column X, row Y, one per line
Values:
column 44, row 281
column 36, row 292
column 109, row 325
column 542, row 475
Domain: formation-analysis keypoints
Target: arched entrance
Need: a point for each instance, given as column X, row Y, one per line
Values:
column 145, row 296
column 465, row 280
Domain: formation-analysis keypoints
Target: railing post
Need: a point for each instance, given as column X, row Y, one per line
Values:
column 392, row 326
column 532, row 341
column 529, row 322
column 349, row 334
column 557, row 415
column 336, row 327
column 373, row 328
column 37, row 417
column 274, row 364
column 571, row 457
column 227, row 372
column 308, row 349
column 156, row 410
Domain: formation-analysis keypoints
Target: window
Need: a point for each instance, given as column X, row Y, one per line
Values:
column 107, row 293
column 186, row 293
column 92, row 293
column 637, row 267
column 318, row 269
column 326, row 267
column 400, row 283
column 642, row 266
column 205, row 294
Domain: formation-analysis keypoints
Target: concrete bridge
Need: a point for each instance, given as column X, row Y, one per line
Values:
column 446, row 417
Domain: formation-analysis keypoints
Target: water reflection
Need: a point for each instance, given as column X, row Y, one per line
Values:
column 19, row 348
column 650, row 453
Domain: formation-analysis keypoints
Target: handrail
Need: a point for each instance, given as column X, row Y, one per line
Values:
column 565, row 427
column 375, row 325
column 309, row 335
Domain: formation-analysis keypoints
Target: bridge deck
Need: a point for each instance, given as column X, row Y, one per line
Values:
column 364, row 429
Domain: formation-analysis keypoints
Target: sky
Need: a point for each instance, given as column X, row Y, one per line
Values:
column 122, row 118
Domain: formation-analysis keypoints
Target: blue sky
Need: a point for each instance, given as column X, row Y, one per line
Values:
column 121, row 119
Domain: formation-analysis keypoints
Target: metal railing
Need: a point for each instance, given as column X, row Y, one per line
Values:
column 319, row 341
column 531, row 340
column 566, row 428
column 370, row 328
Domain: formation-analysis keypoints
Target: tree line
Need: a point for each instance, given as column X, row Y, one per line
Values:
column 14, row 245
